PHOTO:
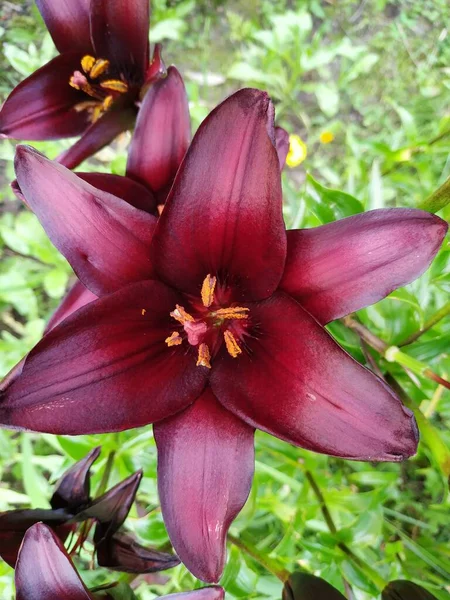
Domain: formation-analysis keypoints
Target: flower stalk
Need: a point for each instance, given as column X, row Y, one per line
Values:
column 431, row 322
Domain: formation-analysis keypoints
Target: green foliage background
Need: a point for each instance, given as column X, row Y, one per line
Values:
column 377, row 75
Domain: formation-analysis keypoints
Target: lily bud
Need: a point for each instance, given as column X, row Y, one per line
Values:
column 303, row 586
column 405, row 590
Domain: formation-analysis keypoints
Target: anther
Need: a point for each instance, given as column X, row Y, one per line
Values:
column 116, row 85
column 174, row 339
column 232, row 346
column 99, row 67
column 107, row 102
column 181, row 315
column 87, row 62
column 233, row 312
column 208, row 287
column 204, row 356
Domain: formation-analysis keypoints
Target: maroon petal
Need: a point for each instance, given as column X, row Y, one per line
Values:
column 42, row 106
column 205, row 471
column 112, row 508
column 223, row 215
column 296, row 383
column 341, row 267
column 105, row 368
column 162, row 134
column 68, row 23
column 97, row 136
column 75, row 298
column 72, row 491
column 14, row 524
column 44, row 570
column 120, row 33
column 123, row 187
column 209, row 593
column 105, row 239
column 282, row 145
column 122, row 553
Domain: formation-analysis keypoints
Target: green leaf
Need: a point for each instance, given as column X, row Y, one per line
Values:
column 34, row 483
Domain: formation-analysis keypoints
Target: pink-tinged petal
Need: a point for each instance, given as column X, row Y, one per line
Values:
column 120, row 33
column 75, row 298
column 68, row 23
column 205, row 471
column 122, row 553
column 105, row 368
column 123, row 187
column 282, row 145
column 72, row 491
column 209, row 593
column 44, row 570
column 105, row 239
column 162, row 134
column 293, row 381
column 42, row 106
column 97, row 136
column 223, row 214
column 14, row 524
column 341, row 267
column 155, row 70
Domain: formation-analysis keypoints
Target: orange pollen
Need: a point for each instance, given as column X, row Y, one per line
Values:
column 181, row 315
column 174, row 339
column 208, row 287
column 143, row 311
column 107, row 102
column 98, row 68
column 115, row 85
column 231, row 343
column 204, row 357
column 233, row 312
column 87, row 62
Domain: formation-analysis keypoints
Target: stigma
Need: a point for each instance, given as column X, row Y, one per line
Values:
column 208, row 325
column 102, row 90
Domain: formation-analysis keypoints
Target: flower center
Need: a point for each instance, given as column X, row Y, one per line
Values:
column 94, row 81
column 211, row 326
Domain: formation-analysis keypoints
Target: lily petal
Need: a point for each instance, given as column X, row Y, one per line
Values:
column 282, row 145
column 126, row 188
column 105, row 239
column 162, row 134
column 67, row 23
column 14, row 524
column 76, row 297
column 341, row 267
column 112, row 508
column 97, row 136
column 44, row 570
column 105, row 368
column 296, row 383
column 120, row 34
column 122, row 553
column 72, row 491
column 224, row 209
column 205, row 471
column 209, row 593
column 41, row 107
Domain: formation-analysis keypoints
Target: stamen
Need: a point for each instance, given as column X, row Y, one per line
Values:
column 181, row 315
column 100, row 66
column 107, row 102
column 232, row 346
column 115, row 85
column 87, row 62
column 204, row 356
column 208, row 287
column 97, row 113
column 174, row 339
column 233, row 312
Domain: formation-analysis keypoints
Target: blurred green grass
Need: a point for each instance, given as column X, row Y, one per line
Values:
column 377, row 75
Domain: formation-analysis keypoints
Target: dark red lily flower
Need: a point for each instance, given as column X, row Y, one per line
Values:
column 45, row 571
column 93, row 88
column 71, row 504
column 211, row 323
column 405, row 590
column 304, row 586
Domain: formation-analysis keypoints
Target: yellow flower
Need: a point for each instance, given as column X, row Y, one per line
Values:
column 297, row 151
column 326, row 137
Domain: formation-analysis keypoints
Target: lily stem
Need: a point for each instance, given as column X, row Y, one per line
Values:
column 438, row 316
column 269, row 564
